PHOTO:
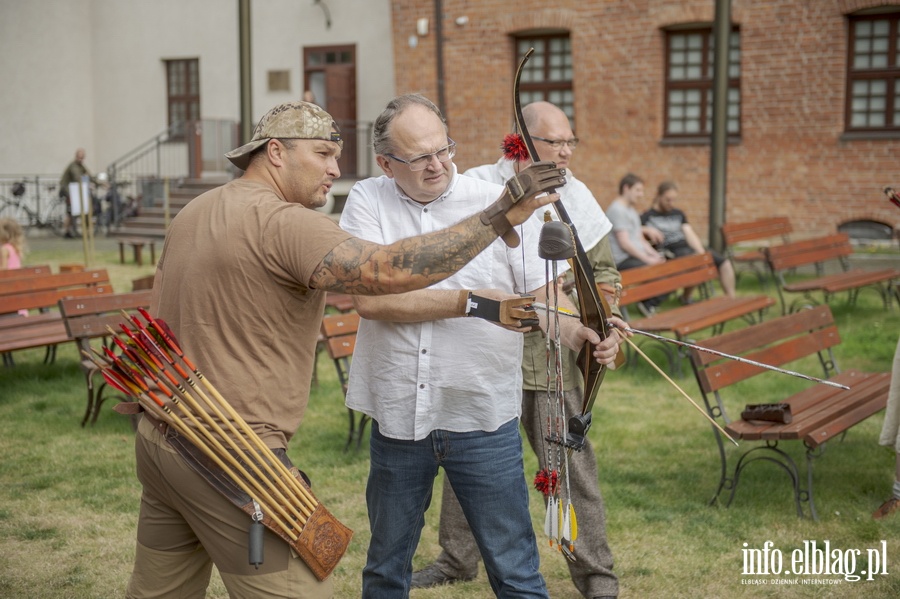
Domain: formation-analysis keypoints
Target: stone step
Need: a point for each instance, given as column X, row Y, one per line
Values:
column 138, row 232
column 144, row 221
column 159, row 212
column 152, row 220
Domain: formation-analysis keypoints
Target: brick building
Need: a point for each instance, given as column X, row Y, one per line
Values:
column 814, row 95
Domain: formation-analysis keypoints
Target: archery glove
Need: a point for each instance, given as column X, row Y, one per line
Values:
column 537, row 178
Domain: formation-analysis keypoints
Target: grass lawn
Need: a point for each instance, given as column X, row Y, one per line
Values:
column 69, row 496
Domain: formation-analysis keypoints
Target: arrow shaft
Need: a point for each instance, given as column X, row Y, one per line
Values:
column 737, row 358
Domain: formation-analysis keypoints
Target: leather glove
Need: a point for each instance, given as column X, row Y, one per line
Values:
column 537, row 178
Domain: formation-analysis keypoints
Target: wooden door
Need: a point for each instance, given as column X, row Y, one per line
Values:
column 330, row 73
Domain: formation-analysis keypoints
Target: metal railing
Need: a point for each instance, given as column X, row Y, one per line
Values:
column 182, row 151
column 33, row 201
column 357, row 160
column 138, row 174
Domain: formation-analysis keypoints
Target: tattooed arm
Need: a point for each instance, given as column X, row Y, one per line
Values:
column 364, row 268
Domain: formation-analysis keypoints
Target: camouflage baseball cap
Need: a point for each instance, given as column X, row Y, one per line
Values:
column 291, row 120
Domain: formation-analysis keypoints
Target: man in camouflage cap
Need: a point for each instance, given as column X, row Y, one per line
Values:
column 241, row 281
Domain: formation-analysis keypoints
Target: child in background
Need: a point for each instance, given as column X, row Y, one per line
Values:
column 12, row 244
column 12, row 247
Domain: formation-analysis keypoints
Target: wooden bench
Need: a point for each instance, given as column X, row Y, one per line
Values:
column 699, row 270
column 819, row 413
column 42, row 292
column 818, row 252
column 137, row 245
column 339, row 332
column 86, row 319
column 764, row 230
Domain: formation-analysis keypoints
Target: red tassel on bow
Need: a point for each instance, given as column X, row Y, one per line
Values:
column 546, row 481
column 514, row 148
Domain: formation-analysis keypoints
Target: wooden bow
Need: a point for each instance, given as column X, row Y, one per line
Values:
column 593, row 309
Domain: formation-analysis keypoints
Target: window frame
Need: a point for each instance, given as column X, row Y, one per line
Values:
column 189, row 99
column 704, row 84
column 546, row 88
column 890, row 74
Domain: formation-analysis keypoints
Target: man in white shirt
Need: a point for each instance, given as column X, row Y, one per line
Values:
column 592, row 571
column 444, row 390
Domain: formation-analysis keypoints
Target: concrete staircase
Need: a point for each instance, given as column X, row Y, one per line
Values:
column 151, row 222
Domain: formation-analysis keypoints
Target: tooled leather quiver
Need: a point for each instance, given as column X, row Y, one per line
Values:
column 320, row 542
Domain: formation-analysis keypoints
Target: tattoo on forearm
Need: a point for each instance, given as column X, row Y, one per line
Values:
column 365, row 268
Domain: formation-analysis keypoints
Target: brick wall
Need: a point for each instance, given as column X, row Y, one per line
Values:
column 791, row 159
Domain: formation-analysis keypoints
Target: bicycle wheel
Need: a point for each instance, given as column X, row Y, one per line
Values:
column 55, row 218
column 22, row 216
column 10, row 209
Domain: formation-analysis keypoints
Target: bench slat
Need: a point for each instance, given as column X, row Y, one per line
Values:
column 737, row 342
column 23, row 272
column 764, row 228
column 46, row 333
column 45, row 299
column 54, row 281
column 727, row 373
column 685, row 320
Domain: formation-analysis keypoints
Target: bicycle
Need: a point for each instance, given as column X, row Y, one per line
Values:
column 29, row 212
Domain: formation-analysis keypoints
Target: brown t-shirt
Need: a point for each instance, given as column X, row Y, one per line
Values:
column 232, row 286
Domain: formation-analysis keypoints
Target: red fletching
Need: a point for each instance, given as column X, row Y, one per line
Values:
column 113, row 382
column 514, row 148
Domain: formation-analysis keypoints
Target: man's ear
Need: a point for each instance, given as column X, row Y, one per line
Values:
column 275, row 152
column 385, row 163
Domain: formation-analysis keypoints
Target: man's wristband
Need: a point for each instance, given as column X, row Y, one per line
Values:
column 513, row 311
column 482, row 307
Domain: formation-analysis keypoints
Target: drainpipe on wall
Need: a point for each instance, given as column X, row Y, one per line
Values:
column 718, row 155
column 439, row 54
column 244, row 61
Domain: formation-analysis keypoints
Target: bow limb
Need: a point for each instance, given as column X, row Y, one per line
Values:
column 592, row 307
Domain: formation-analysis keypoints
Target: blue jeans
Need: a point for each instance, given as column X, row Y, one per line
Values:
column 487, row 475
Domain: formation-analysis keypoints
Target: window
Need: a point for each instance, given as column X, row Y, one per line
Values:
column 548, row 73
column 873, row 74
column 183, row 90
column 689, row 83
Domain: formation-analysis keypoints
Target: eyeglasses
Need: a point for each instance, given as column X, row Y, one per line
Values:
column 420, row 162
column 558, row 143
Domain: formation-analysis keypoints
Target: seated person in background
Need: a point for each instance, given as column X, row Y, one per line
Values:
column 629, row 246
column 679, row 238
column 629, row 239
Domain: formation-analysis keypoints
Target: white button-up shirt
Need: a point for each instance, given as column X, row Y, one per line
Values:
column 457, row 374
